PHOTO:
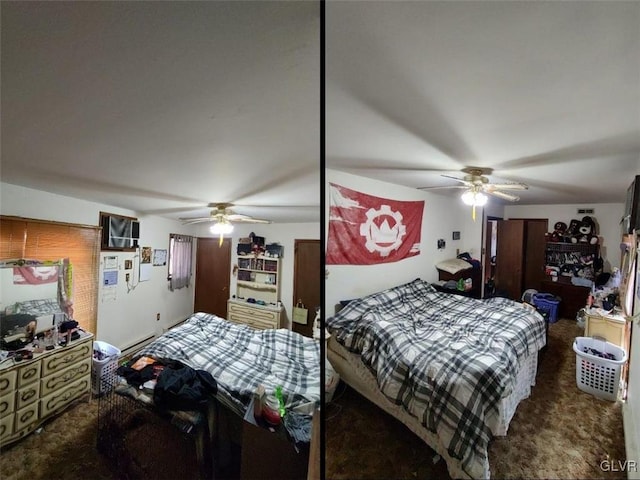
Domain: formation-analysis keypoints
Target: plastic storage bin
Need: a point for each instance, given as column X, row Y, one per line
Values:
column 105, row 364
column 596, row 375
column 547, row 302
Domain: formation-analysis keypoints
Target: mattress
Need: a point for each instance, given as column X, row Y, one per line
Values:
column 446, row 360
column 354, row 373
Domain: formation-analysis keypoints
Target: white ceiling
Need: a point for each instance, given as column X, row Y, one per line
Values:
column 545, row 93
column 164, row 107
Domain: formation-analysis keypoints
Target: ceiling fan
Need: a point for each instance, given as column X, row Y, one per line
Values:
column 477, row 185
column 223, row 219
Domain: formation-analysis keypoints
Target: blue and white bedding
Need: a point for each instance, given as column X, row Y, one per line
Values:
column 240, row 358
column 37, row 308
column 447, row 360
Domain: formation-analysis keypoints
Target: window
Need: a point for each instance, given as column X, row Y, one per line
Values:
column 180, row 253
column 44, row 240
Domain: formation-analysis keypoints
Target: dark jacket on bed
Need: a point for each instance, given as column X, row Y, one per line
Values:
column 180, row 387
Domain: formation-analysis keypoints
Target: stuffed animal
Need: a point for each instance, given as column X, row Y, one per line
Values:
column 558, row 234
column 572, row 229
column 586, row 232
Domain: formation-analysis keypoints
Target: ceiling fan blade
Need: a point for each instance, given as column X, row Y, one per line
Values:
column 461, row 180
column 508, row 186
column 248, row 220
column 504, row 195
column 441, row 187
column 191, row 221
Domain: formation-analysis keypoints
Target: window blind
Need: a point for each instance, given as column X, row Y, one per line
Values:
column 43, row 240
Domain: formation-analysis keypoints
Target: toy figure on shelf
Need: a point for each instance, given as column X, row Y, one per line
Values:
column 558, row 234
column 586, row 232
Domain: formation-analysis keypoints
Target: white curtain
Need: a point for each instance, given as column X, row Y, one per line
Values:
column 180, row 252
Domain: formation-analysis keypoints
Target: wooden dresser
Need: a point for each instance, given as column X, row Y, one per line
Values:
column 256, row 316
column 33, row 390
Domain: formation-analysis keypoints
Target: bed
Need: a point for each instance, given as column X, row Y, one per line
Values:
column 452, row 368
column 239, row 359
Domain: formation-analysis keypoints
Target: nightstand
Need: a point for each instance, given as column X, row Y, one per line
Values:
column 267, row 454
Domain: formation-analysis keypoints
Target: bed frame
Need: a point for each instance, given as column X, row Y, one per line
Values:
column 355, row 374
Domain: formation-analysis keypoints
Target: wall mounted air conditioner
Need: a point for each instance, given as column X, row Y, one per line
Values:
column 119, row 232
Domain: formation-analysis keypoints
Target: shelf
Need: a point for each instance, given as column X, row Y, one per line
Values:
column 257, row 285
column 571, row 247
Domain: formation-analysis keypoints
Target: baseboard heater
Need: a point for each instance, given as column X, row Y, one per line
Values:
column 166, row 329
column 137, row 346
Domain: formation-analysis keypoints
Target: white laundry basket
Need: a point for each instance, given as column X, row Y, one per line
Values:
column 105, row 364
column 596, row 375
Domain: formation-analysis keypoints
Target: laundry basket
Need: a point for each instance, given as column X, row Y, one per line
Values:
column 594, row 374
column 546, row 302
column 105, row 364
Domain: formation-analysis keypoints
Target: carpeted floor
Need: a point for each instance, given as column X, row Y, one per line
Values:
column 559, row 432
column 65, row 449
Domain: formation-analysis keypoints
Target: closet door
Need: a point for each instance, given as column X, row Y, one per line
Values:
column 534, row 258
column 510, row 258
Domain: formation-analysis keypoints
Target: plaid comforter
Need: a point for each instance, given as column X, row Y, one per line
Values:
column 447, row 359
column 240, row 358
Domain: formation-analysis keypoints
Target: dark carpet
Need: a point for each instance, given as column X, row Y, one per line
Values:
column 559, row 432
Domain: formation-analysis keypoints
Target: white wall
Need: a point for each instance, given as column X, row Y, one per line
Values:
column 606, row 215
column 442, row 215
column 132, row 315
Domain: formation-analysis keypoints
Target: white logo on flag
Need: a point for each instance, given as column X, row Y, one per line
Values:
column 383, row 239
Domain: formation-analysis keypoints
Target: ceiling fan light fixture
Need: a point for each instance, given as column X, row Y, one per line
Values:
column 474, row 198
column 221, row 228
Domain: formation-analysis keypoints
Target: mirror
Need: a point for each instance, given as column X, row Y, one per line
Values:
column 33, row 298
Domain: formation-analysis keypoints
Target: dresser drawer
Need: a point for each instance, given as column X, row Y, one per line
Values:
column 255, row 317
column 8, row 382
column 251, row 321
column 26, row 416
column 7, row 404
column 6, row 426
column 66, row 357
column 27, row 395
column 64, row 396
column 28, row 373
column 59, row 378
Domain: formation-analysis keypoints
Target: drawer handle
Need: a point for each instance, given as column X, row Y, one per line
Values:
column 3, row 428
column 4, row 383
column 26, row 416
column 4, row 406
column 27, row 395
column 30, row 373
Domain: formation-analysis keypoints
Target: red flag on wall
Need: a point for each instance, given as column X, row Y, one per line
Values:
column 364, row 230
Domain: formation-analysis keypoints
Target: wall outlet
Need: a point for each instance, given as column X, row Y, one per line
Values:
column 157, row 317
column 126, row 277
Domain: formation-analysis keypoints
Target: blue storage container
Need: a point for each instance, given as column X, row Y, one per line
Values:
column 549, row 303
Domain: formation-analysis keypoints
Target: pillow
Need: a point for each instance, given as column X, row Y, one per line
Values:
column 453, row 265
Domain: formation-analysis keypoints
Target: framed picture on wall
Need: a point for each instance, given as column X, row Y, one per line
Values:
column 159, row 257
column 145, row 255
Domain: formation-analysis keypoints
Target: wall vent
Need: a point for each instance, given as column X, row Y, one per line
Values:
column 585, row 211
